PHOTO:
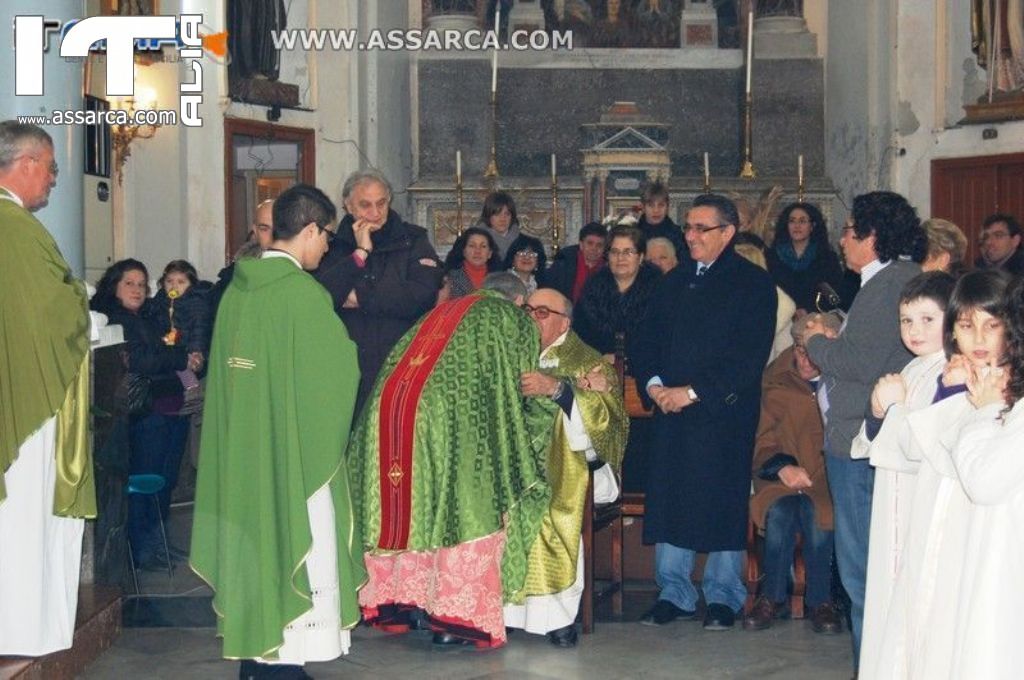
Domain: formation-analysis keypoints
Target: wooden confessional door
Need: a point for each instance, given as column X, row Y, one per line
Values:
column 967, row 190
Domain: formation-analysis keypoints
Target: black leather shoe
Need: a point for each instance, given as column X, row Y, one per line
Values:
column 449, row 640
column 564, row 637
column 719, row 617
column 663, row 612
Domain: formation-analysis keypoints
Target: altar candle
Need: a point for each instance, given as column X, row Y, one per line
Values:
column 800, row 169
column 750, row 46
column 707, row 169
column 553, row 176
column 458, row 166
column 494, row 60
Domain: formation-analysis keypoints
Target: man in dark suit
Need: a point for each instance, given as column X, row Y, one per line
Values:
column 700, row 357
column 1001, row 244
column 575, row 264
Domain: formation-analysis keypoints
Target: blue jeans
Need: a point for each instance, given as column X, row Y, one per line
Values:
column 786, row 517
column 851, row 482
column 722, row 582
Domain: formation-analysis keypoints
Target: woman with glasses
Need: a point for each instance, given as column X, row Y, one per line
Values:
column 801, row 257
column 473, row 256
column 526, row 259
column 616, row 299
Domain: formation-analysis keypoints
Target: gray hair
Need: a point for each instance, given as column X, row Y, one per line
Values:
column 831, row 322
column 506, row 283
column 361, row 177
column 15, row 136
column 662, row 242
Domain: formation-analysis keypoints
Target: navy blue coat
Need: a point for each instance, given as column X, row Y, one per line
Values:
column 713, row 333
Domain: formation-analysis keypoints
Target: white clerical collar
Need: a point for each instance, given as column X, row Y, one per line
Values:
column 13, row 196
column 870, row 270
column 552, row 362
column 281, row 253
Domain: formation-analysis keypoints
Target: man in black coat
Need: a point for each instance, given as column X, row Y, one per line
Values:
column 700, row 356
column 382, row 273
column 1001, row 244
column 575, row 264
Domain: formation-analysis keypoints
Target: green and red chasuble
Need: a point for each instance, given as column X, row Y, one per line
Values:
column 279, row 399
column 447, row 450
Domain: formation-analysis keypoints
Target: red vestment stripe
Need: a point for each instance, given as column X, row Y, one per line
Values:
column 399, row 401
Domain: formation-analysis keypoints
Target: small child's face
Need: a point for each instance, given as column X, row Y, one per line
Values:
column 921, row 326
column 980, row 337
column 655, row 210
column 177, row 282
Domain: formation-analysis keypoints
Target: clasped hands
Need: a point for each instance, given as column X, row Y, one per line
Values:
column 537, row 384
column 670, row 399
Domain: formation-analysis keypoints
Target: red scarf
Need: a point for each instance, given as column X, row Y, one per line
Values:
column 476, row 274
column 583, row 272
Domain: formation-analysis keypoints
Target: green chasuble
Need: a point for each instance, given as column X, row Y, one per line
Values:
column 553, row 556
column 447, row 450
column 279, row 399
column 44, row 356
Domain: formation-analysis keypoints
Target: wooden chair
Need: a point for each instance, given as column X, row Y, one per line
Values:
column 755, row 549
column 596, row 518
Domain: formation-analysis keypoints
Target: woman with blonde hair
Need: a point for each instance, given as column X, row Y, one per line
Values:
column 947, row 247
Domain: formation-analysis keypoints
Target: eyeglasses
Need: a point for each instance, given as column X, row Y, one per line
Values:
column 53, row 168
column 702, row 228
column 799, row 220
column 328, row 233
column 625, row 252
column 993, row 235
column 541, row 312
column 528, row 254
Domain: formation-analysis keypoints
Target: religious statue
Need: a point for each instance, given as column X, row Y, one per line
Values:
column 997, row 38
column 778, row 8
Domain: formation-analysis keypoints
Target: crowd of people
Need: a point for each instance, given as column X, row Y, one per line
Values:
column 408, row 442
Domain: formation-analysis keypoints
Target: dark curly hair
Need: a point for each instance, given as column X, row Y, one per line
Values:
column 893, row 221
column 457, row 255
column 819, row 228
column 983, row 289
column 181, row 267
column 524, row 242
column 105, row 298
column 1014, row 318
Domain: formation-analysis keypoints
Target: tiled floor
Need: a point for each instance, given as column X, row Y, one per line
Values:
column 173, row 639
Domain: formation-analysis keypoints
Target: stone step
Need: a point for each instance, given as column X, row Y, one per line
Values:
column 97, row 625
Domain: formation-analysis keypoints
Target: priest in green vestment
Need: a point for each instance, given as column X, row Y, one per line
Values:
column 590, row 434
column 46, row 475
column 273, row 531
column 448, row 471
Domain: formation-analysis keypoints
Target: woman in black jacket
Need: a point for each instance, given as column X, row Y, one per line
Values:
column 157, row 436
column 801, row 257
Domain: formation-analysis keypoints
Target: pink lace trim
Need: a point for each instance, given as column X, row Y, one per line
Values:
column 463, row 581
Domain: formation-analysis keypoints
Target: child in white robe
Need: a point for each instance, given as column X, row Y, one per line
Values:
column 989, row 459
column 915, row 636
column 922, row 308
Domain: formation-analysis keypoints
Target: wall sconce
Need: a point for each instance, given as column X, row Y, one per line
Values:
column 124, row 135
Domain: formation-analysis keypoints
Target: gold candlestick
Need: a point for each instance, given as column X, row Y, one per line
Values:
column 556, row 233
column 748, row 172
column 491, row 173
column 458, row 205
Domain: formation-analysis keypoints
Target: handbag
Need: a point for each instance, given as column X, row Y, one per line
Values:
column 132, row 396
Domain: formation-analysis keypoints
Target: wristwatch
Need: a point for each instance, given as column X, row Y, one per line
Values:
column 691, row 394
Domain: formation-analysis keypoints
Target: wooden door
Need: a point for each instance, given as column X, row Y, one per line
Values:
column 967, row 190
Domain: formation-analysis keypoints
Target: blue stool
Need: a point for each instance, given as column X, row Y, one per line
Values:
column 149, row 485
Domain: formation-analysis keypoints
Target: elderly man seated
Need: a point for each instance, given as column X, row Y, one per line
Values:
column 591, row 433
column 790, row 489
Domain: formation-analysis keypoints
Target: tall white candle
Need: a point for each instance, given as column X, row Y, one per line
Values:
column 750, row 46
column 800, row 169
column 494, row 60
column 553, row 174
column 707, row 169
column 458, row 166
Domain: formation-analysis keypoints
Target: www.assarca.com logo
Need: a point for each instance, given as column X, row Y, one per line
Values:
column 119, row 34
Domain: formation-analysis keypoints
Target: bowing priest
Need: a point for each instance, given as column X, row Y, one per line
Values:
column 273, row 533
column 589, row 434
column 46, row 482
column 448, row 469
